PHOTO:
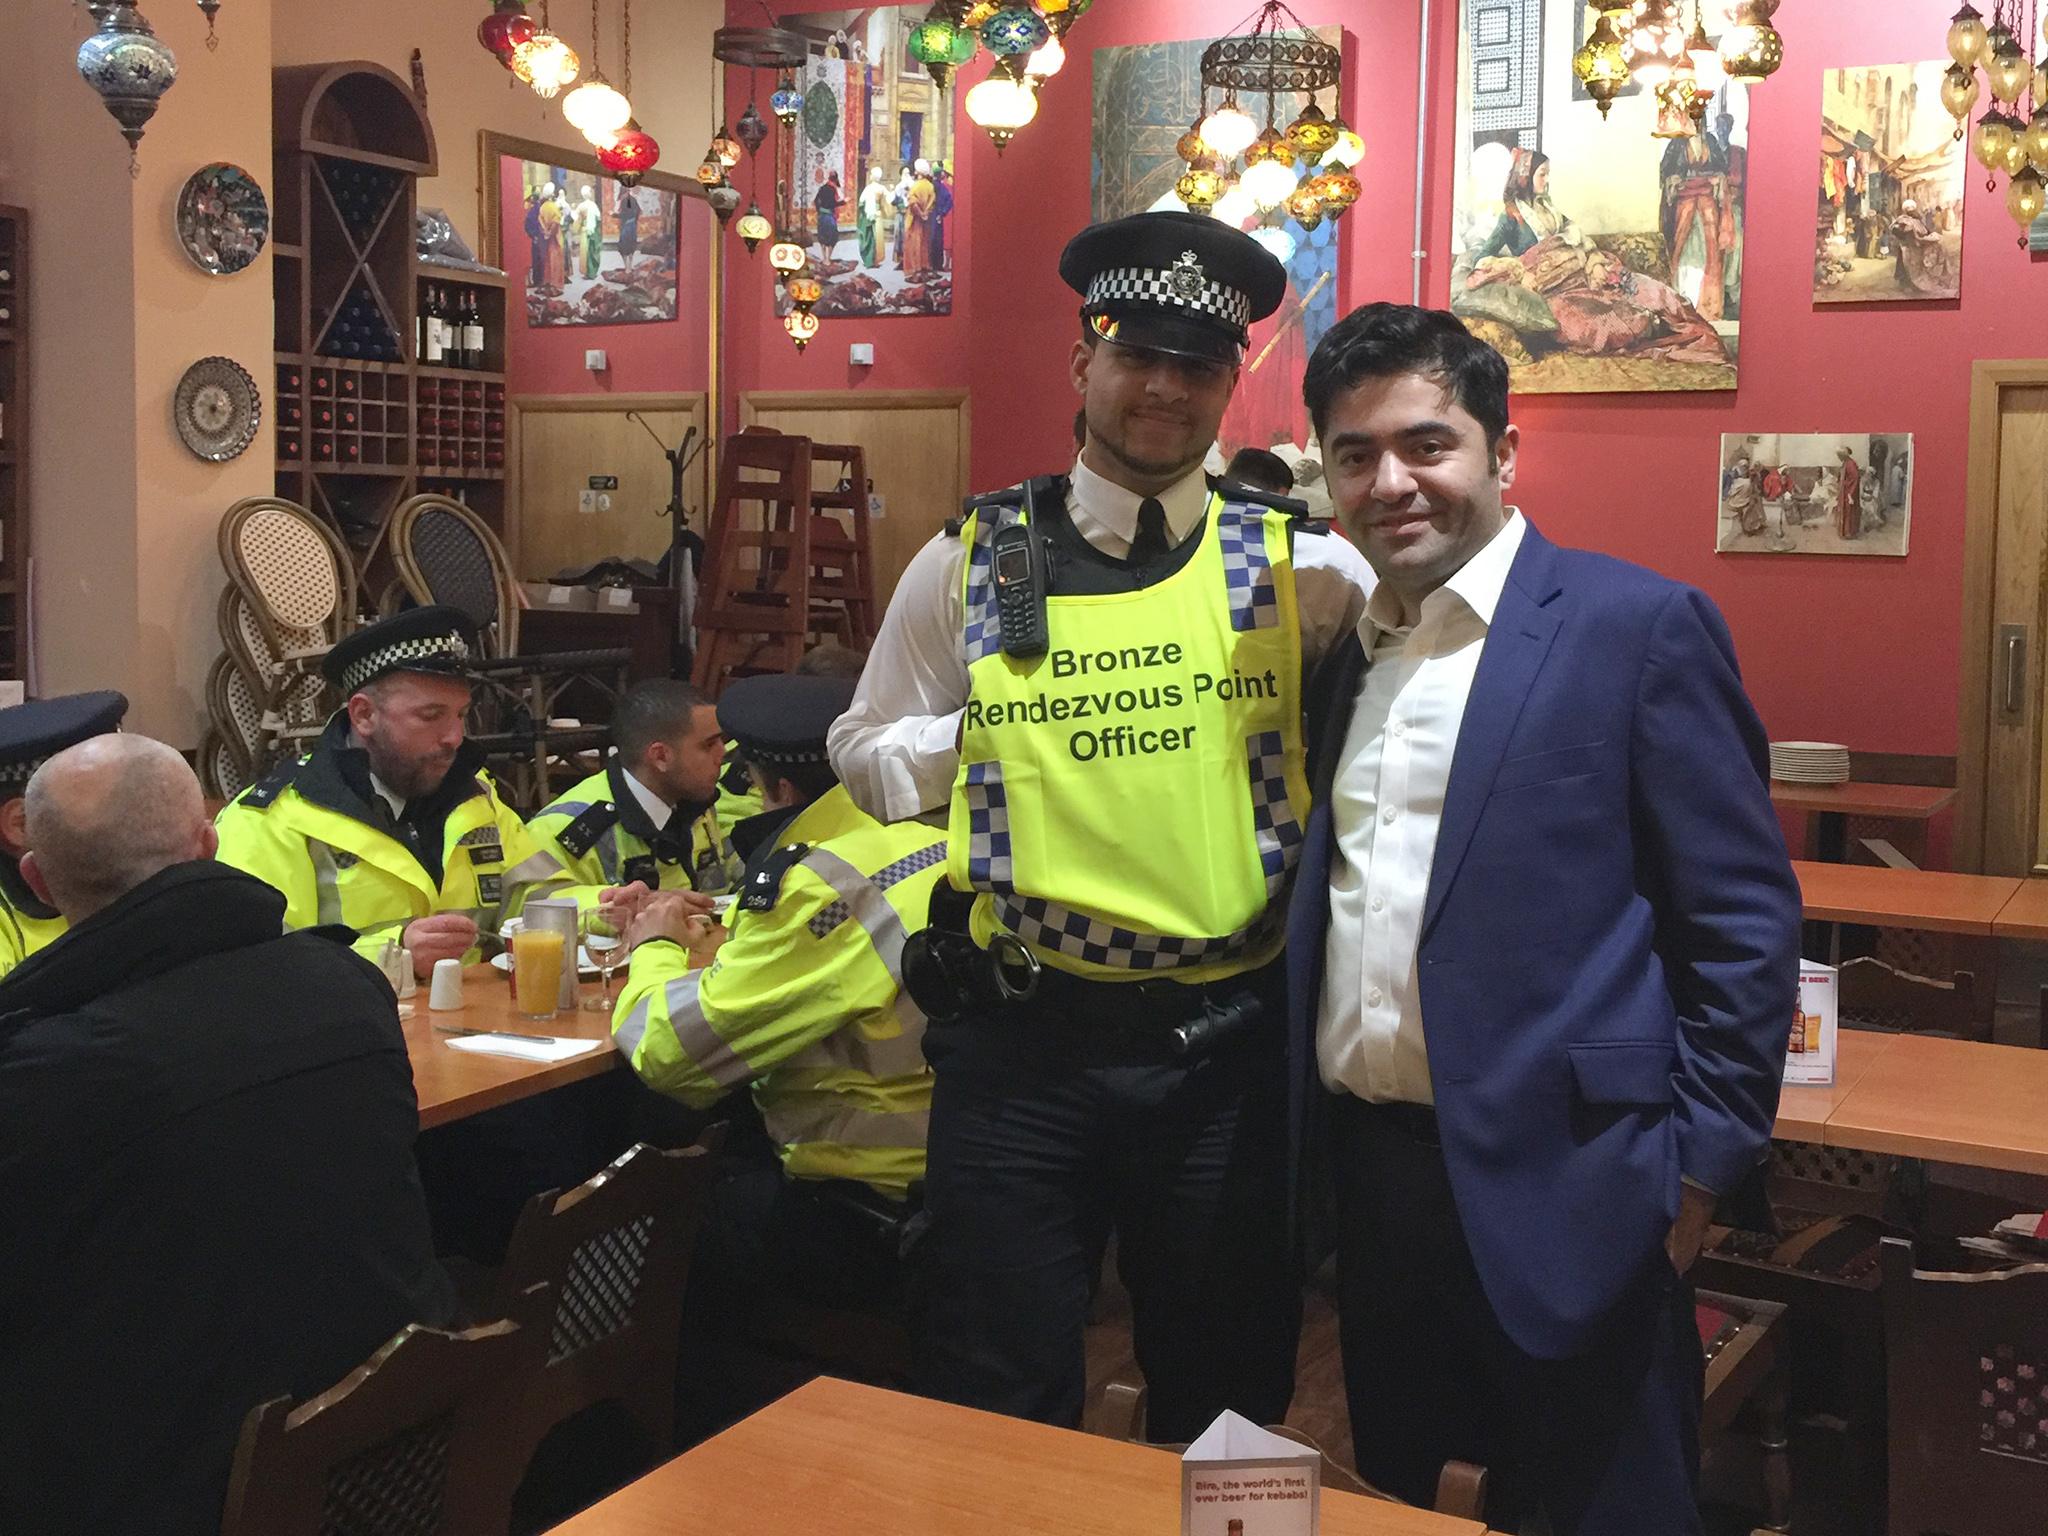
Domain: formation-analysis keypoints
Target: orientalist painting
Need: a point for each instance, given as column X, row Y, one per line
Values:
column 589, row 251
column 1595, row 254
column 1146, row 97
column 1815, row 493
column 1888, row 220
column 873, row 192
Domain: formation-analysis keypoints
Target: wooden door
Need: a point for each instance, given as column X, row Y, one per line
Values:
column 916, row 447
column 561, row 441
column 2002, row 824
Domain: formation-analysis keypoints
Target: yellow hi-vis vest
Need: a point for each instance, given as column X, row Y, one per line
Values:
column 805, row 999
column 1131, row 802
column 22, row 932
column 597, row 836
column 333, row 868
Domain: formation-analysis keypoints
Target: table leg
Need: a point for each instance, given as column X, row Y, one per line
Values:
column 1827, row 834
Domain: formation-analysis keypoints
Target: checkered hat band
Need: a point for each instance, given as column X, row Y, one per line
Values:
column 1158, row 289
column 440, row 650
column 20, row 773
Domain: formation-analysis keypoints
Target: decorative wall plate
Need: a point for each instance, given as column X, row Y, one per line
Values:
column 217, row 408
column 223, row 220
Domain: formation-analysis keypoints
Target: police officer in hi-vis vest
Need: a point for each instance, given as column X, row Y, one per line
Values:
column 1100, row 672
column 30, row 734
column 389, row 825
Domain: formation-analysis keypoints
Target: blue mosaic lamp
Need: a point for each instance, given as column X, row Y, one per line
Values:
column 130, row 67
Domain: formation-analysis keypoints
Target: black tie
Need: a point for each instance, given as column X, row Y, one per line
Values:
column 1150, row 543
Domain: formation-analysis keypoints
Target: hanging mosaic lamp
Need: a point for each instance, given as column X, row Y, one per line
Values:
column 710, row 171
column 1752, row 49
column 786, row 256
column 750, row 130
column 631, row 155
column 1311, row 135
column 505, row 29
column 999, row 106
column 1013, row 34
column 546, row 63
column 787, row 102
column 211, row 9
column 802, row 326
column 753, row 227
column 1960, row 89
column 724, row 199
column 130, row 67
column 1305, row 205
column 1602, row 63
column 727, row 148
column 597, row 110
column 1198, row 188
column 2024, row 200
column 941, row 45
column 804, row 291
column 1967, row 37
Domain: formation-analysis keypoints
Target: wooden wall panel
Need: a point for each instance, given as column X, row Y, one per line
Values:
column 561, row 441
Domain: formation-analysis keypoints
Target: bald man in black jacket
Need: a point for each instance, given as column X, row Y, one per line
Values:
column 207, row 1186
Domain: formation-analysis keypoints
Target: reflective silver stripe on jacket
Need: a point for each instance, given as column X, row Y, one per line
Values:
column 870, row 908
column 326, row 884
column 694, row 1034
column 843, row 1126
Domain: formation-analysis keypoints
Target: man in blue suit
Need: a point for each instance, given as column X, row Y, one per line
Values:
column 1543, row 952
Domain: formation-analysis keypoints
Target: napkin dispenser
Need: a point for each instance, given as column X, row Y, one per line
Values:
column 561, row 917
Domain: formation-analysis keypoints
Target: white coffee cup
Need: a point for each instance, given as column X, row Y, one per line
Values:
column 444, row 992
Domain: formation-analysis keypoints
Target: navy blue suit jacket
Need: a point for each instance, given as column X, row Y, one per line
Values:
column 1610, row 944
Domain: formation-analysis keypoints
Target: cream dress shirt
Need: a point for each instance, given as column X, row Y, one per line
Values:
column 895, row 747
column 1387, row 801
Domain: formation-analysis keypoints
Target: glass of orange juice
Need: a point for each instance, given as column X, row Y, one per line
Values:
column 536, row 971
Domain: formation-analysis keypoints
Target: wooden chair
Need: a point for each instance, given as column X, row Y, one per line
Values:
column 1744, row 1341
column 445, row 553
column 222, row 771
column 615, row 1255
column 411, row 1441
column 1118, row 1413
column 1969, row 1400
column 1879, row 996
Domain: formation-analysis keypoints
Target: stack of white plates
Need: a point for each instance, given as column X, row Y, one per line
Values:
column 1809, row 762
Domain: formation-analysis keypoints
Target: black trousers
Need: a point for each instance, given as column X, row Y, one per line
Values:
column 1047, row 1134
column 1606, row 1442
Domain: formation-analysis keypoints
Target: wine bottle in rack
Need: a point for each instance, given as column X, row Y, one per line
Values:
column 473, row 329
column 437, row 339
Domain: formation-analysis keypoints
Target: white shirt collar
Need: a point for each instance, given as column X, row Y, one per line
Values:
column 658, row 810
column 1116, row 509
column 1478, row 584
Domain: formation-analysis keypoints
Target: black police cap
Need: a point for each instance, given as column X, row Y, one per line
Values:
column 32, row 733
column 1183, row 283
column 782, row 718
column 435, row 639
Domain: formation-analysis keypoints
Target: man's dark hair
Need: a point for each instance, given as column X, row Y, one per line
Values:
column 1378, row 341
column 659, row 709
column 1262, row 470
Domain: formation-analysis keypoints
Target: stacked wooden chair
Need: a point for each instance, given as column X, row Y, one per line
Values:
column 445, row 553
column 291, row 595
column 787, row 561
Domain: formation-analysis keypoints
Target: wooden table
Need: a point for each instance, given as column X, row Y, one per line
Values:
column 1804, row 1111
column 835, row 1459
column 1831, row 806
column 452, row 1084
column 1951, row 1101
column 2026, row 915
column 1929, row 899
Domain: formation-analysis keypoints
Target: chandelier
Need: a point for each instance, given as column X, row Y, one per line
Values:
column 1023, row 40
column 2012, row 136
column 782, row 53
column 1646, row 42
column 1238, row 170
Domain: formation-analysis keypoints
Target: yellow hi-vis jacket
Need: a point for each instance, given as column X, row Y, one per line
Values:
column 599, row 835
column 805, row 999
column 306, row 833
column 25, row 924
column 1130, row 803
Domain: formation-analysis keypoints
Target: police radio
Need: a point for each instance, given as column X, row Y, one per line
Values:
column 1021, row 578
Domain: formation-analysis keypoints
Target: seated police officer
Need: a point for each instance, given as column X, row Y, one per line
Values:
column 1101, row 674
column 29, row 734
column 802, row 999
column 389, row 825
column 648, row 816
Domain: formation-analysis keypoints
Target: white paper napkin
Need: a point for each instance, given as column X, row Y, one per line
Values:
column 524, row 1050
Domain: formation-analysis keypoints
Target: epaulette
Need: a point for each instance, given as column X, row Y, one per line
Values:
column 764, row 885
column 273, row 784
column 1292, row 506
column 1009, row 496
column 581, row 835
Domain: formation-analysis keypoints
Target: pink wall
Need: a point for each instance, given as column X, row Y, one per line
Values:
column 662, row 356
column 1858, row 650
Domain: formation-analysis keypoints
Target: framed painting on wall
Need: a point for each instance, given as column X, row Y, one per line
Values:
column 1888, row 220
column 1815, row 493
column 873, row 190
column 1145, row 97
column 1595, row 256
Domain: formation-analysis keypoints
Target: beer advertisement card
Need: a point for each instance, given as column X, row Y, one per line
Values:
column 1241, row 1480
column 1810, row 1053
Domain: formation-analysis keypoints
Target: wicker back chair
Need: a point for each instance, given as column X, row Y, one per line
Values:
column 445, row 553
column 410, row 1442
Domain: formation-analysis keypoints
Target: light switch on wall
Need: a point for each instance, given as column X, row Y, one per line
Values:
column 594, row 359
column 586, row 501
column 861, row 354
